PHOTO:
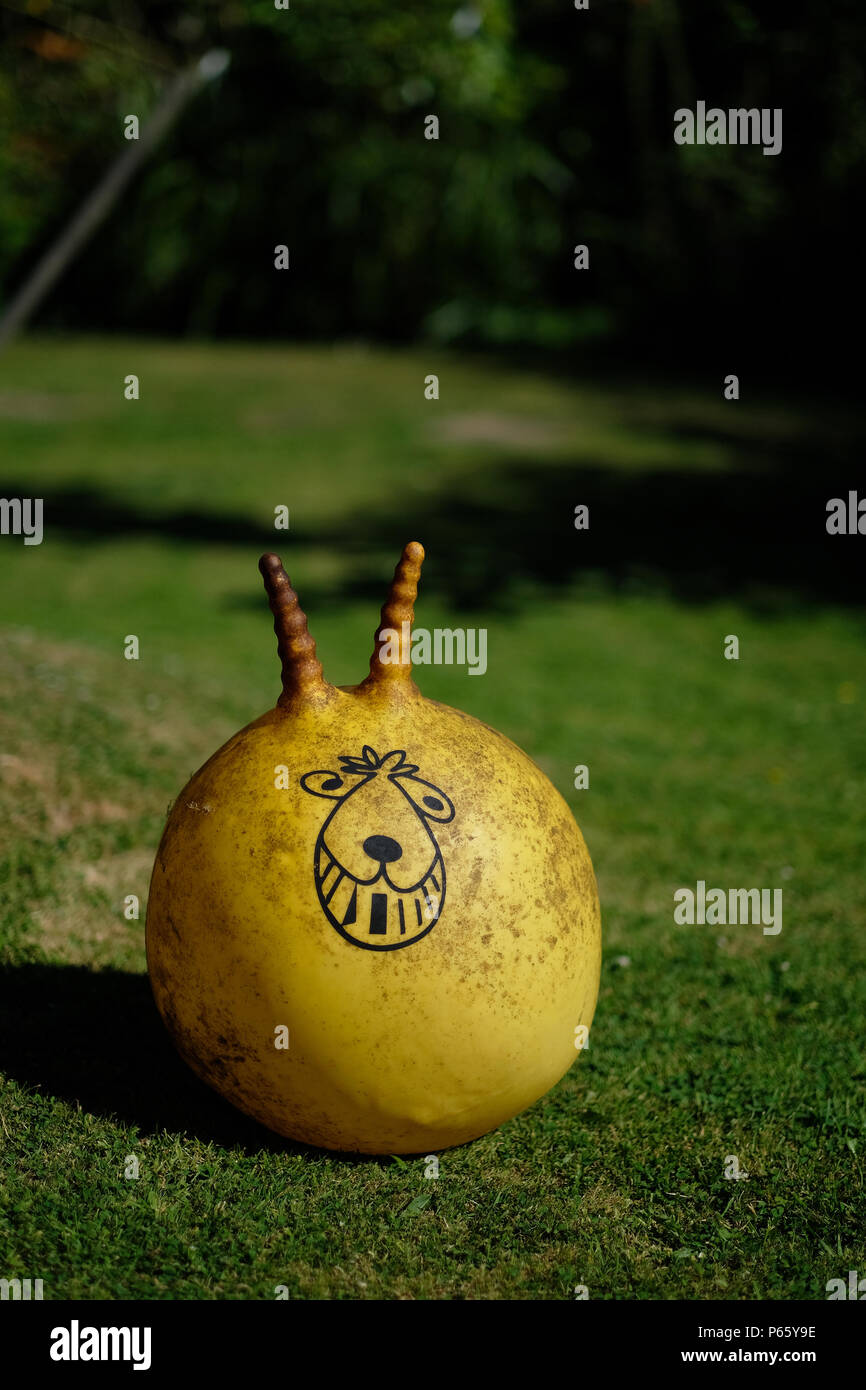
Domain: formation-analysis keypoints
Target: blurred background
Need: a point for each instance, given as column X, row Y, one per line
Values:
column 556, row 128
column 304, row 388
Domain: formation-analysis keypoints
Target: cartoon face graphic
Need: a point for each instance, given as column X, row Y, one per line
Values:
column 379, row 871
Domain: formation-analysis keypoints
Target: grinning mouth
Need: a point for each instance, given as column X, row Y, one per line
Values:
column 377, row 915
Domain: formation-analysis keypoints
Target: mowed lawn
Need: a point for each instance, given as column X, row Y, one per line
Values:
column 708, row 1041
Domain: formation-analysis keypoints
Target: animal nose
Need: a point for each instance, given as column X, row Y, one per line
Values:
column 382, row 848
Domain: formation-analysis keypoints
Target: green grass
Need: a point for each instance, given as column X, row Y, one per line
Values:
column 707, row 1041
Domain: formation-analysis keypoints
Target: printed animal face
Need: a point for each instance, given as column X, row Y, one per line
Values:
column 379, row 871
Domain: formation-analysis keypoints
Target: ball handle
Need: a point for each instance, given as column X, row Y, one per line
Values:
column 391, row 662
column 302, row 670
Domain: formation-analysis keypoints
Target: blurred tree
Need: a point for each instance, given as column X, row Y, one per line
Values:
column 555, row 128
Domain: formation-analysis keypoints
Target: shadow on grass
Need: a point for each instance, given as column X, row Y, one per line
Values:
column 755, row 533
column 755, row 530
column 93, row 514
column 94, row 1039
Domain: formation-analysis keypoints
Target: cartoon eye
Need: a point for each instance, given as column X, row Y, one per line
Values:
column 332, row 784
column 433, row 803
